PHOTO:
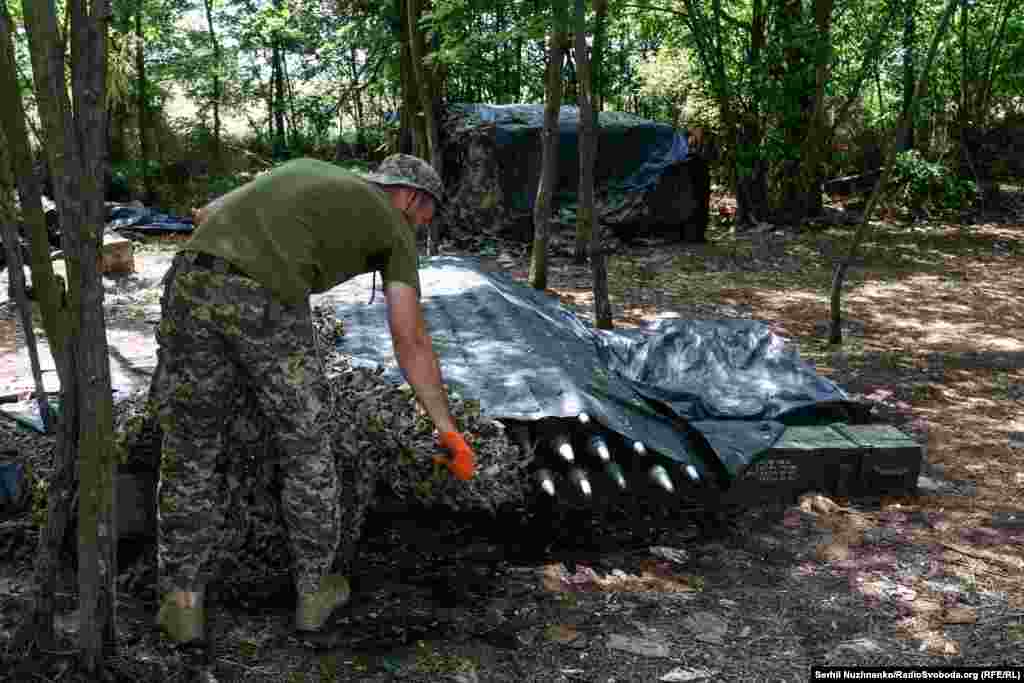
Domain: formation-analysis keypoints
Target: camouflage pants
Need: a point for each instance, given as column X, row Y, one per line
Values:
column 222, row 335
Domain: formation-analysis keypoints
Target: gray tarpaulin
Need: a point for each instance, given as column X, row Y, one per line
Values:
column 525, row 356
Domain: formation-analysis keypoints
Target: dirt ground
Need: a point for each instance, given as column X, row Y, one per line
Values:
column 933, row 337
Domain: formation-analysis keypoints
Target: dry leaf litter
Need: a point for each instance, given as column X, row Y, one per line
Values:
column 383, row 445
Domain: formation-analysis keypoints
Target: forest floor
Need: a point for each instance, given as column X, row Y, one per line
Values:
column 933, row 338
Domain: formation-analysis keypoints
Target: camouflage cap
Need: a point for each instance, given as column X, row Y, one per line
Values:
column 408, row 171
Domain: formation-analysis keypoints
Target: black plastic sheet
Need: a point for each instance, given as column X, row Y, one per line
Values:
column 725, row 385
column 145, row 220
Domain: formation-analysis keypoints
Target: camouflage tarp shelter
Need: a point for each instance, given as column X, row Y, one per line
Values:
column 647, row 178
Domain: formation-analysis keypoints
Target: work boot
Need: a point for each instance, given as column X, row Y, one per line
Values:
column 182, row 624
column 314, row 609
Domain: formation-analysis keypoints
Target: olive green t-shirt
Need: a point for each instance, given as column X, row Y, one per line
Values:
column 307, row 226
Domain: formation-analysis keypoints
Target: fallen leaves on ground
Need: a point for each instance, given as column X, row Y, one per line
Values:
column 654, row 576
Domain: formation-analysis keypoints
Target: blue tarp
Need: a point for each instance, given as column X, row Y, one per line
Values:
column 634, row 152
column 145, row 220
column 525, row 356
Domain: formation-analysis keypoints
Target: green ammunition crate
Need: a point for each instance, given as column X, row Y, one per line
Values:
column 891, row 462
column 805, row 458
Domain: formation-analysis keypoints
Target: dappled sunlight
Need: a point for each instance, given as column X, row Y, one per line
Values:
column 955, row 555
column 934, row 337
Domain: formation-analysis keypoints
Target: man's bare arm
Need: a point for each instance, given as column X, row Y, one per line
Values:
column 415, row 352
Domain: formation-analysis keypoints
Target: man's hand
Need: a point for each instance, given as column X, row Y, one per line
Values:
column 462, row 463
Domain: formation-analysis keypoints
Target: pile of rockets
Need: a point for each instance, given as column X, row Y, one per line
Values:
column 557, row 444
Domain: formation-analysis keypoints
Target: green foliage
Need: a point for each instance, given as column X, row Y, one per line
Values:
column 676, row 61
column 219, row 185
column 129, row 174
column 921, row 183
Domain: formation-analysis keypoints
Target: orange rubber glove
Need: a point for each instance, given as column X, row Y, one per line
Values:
column 462, row 461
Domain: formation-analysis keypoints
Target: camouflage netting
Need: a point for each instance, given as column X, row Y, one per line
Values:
column 383, row 444
column 645, row 180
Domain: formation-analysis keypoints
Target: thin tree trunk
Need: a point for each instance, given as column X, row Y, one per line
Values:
column 293, row 122
column 424, row 79
column 16, row 275
column 358, row 102
column 813, row 148
column 504, row 56
column 142, row 107
column 991, row 61
column 218, row 152
column 751, row 175
column 74, row 132
column 38, row 630
column 839, row 274
column 588, row 225
column 412, row 123
column 517, row 88
column 586, row 139
column 549, row 148
column 909, row 38
column 597, row 56
column 964, row 80
column 280, row 136
column 116, row 133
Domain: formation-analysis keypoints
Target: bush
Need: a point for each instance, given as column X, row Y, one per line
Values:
column 921, row 184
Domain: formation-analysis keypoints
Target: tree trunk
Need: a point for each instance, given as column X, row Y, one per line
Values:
column 218, row 152
column 142, row 107
column 49, row 293
column 587, row 225
column 413, row 127
column 116, row 134
column 517, row 86
column 751, row 172
column 38, row 630
column 587, row 140
column 965, row 82
column 503, row 54
column 16, row 274
column 293, row 122
column 424, row 79
column 909, row 29
column 549, row 148
column 991, row 61
column 358, row 102
column 789, row 196
column 597, row 56
column 280, row 135
column 839, row 274
column 75, row 150
column 813, row 148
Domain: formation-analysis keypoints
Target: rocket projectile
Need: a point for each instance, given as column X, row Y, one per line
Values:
column 659, row 476
column 583, row 418
column 599, row 447
column 639, row 448
column 691, row 472
column 562, row 446
column 579, row 477
column 546, row 481
column 616, row 473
